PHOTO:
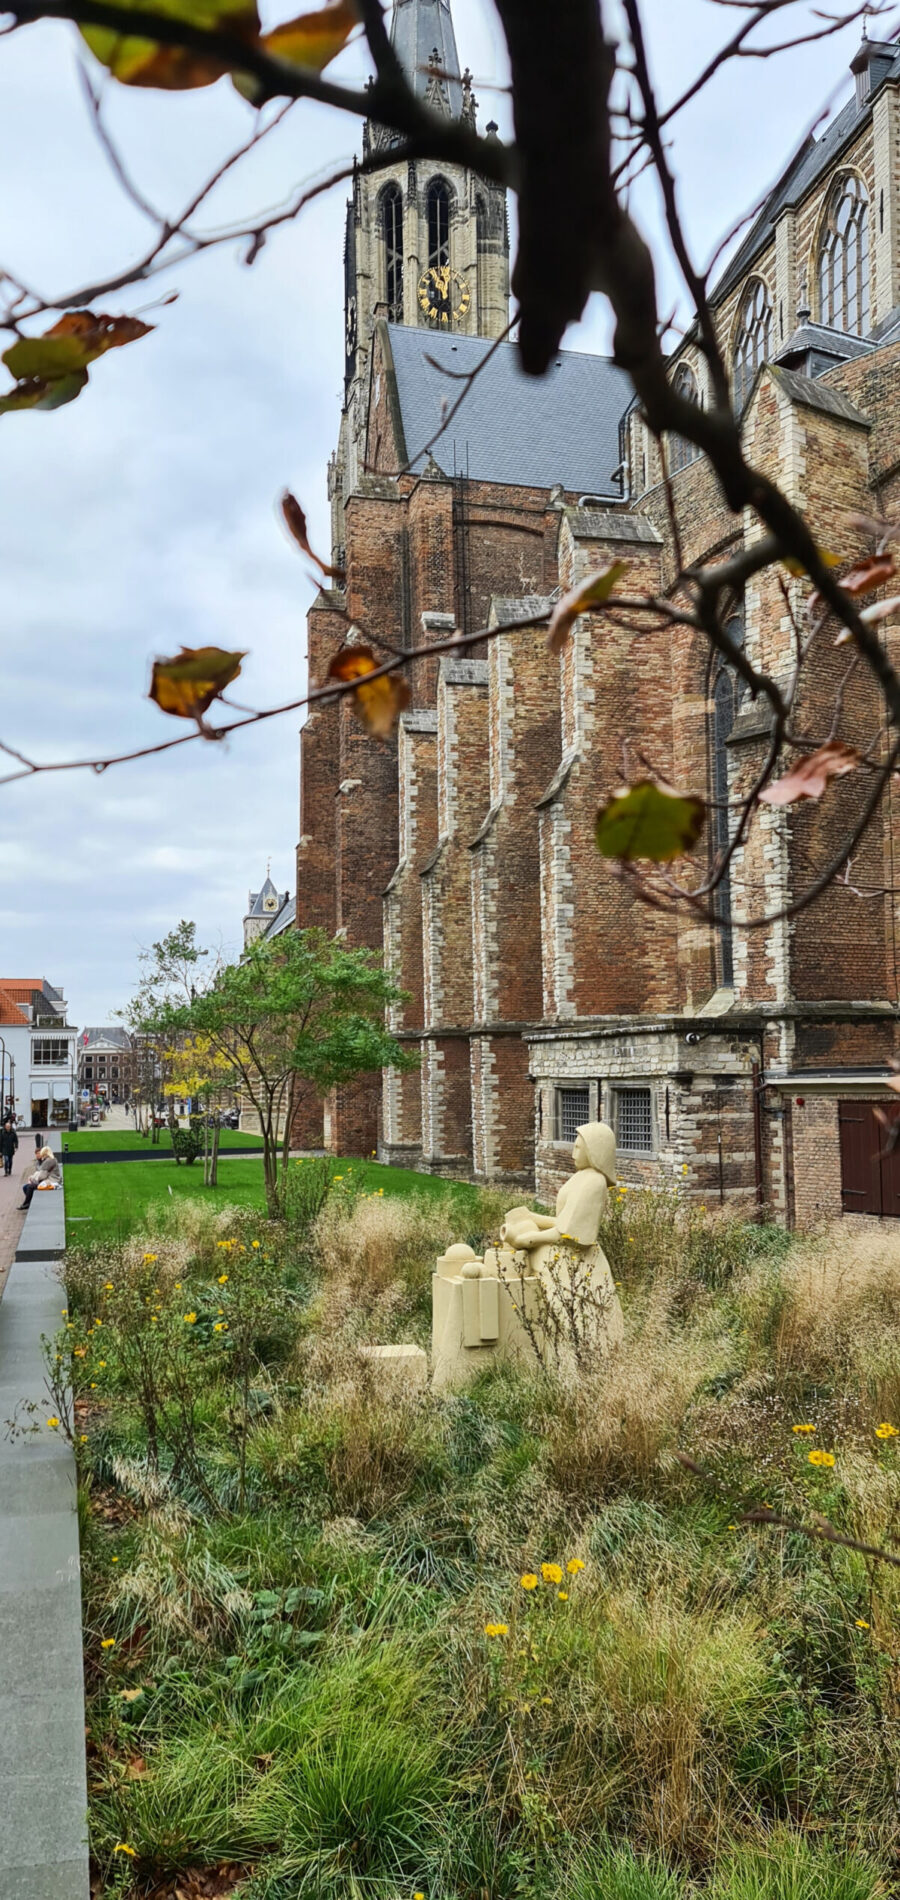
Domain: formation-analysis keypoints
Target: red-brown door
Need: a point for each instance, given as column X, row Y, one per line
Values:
column 870, row 1166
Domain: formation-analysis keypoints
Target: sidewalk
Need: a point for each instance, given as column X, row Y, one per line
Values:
column 43, row 1812
column 10, row 1200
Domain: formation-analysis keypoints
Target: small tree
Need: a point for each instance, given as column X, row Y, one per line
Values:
column 196, row 1069
column 170, row 973
column 301, row 1007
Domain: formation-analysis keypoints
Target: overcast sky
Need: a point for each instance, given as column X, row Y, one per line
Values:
column 142, row 517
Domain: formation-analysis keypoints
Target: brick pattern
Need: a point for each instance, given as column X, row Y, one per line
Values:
column 465, row 846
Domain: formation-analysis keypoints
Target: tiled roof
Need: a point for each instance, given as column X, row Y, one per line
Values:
column 10, row 1012
column 524, row 430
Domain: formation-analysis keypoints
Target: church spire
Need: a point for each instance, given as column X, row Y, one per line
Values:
column 423, row 37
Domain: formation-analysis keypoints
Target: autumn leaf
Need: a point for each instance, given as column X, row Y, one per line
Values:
column 75, row 341
column 37, row 393
column 295, row 522
column 136, row 61
column 186, row 685
column 312, row 40
column 797, row 568
column 649, row 820
column 871, row 571
column 879, row 610
column 378, row 703
column 591, row 592
column 809, row 778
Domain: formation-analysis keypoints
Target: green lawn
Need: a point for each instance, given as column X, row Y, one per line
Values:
column 99, row 1139
column 114, row 1199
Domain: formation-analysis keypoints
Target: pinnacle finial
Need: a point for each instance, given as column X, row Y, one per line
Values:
column 268, row 867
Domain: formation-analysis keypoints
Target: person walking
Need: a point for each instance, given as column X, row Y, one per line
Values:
column 9, row 1142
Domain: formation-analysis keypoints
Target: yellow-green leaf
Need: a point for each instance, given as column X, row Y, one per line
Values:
column 137, row 61
column 648, row 820
column 38, row 394
column 314, row 39
column 592, row 592
column 76, row 340
column 186, row 685
column 797, row 568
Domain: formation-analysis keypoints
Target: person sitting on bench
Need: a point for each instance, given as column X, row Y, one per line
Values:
column 48, row 1173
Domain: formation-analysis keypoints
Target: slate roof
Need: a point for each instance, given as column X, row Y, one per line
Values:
column 418, row 28
column 815, row 395
column 808, row 163
column 530, row 432
column 284, row 919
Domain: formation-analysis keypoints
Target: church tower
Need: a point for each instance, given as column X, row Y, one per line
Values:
column 426, row 244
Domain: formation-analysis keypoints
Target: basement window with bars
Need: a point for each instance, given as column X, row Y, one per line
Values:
column 573, row 1107
column 634, row 1121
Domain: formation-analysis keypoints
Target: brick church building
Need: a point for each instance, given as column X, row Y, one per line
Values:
column 749, row 1064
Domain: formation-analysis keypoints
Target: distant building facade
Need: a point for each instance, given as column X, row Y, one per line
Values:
column 107, row 1064
column 747, row 1064
column 37, row 1052
column 268, row 912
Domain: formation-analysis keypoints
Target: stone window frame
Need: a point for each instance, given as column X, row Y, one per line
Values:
column 843, row 256
column 437, row 245
column 680, row 452
column 752, row 338
column 390, row 201
column 564, row 1084
column 646, row 1085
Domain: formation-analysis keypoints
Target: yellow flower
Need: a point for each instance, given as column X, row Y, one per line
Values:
column 149, row 1258
column 574, row 1565
column 78, row 1352
column 93, row 1385
column 223, row 1243
column 223, row 1277
column 529, row 1581
column 53, row 1423
column 821, row 1457
column 885, row 1431
column 803, row 1428
column 109, row 1642
column 551, row 1573
column 101, row 1362
column 189, row 1318
column 107, row 1286
column 496, row 1629
column 122, row 1847
column 178, row 1286
column 684, row 1167
column 221, row 1326
column 255, row 1243
column 115, row 1560
column 83, row 1439
column 861, row 1623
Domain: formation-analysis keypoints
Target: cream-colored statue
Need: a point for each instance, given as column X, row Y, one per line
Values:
column 563, row 1253
column 548, row 1283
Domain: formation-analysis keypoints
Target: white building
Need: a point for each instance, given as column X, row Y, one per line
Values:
column 38, row 1058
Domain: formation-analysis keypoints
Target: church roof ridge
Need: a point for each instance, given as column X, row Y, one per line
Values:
column 424, row 39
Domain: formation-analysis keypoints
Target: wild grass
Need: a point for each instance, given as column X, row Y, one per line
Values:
column 348, row 1641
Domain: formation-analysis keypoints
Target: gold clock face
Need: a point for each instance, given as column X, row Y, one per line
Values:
column 270, row 903
column 444, row 296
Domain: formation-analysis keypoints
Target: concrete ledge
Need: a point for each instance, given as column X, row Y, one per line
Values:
column 43, row 1810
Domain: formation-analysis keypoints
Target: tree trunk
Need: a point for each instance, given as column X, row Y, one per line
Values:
column 286, row 1137
column 206, row 1147
column 214, row 1158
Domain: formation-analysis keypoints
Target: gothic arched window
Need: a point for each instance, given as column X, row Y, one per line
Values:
column 438, row 209
column 681, row 451
column 392, row 228
column 844, row 258
column 725, row 696
column 752, row 341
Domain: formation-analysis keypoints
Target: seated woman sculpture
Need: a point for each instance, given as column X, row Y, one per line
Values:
column 563, row 1249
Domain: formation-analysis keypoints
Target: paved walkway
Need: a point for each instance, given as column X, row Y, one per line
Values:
column 43, row 1805
column 10, row 1200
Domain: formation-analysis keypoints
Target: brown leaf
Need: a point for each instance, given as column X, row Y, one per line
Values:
column 591, row 592
column 879, row 610
column 871, row 570
column 186, row 685
column 809, row 778
column 137, row 1768
column 378, row 703
column 136, row 61
column 79, row 337
column 295, row 521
